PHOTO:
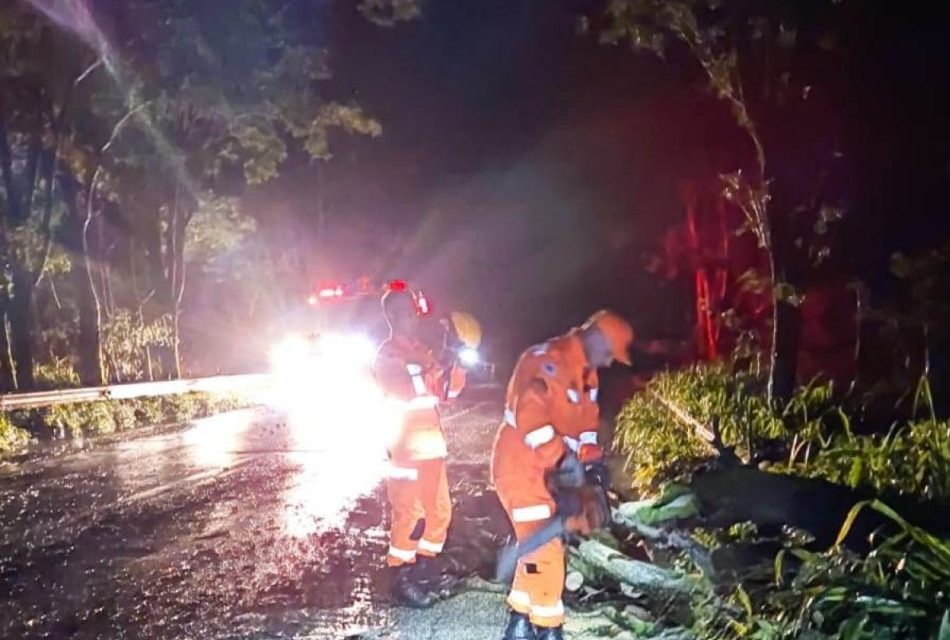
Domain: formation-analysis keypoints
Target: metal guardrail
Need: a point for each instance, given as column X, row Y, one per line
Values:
column 217, row 384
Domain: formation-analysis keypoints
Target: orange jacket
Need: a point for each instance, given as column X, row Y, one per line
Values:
column 407, row 370
column 551, row 407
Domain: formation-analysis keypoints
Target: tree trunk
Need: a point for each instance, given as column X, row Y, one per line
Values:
column 163, row 299
column 786, row 317
column 659, row 585
column 786, row 334
column 91, row 369
column 787, row 281
column 176, row 339
column 21, row 325
column 180, row 221
column 89, row 347
column 19, row 205
column 730, row 494
column 7, row 374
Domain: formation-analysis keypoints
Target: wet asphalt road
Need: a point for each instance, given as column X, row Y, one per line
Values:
column 238, row 526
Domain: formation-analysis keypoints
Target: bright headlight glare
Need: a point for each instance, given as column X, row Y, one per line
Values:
column 333, row 405
column 469, row 357
column 347, row 349
column 289, row 354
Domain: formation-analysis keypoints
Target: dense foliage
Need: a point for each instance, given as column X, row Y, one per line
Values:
column 12, row 437
column 811, row 435
column 128, row 134
column 895, row 589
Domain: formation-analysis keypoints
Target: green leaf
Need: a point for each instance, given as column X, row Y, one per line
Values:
column 944, row 632
column 856, row 472
column 744, row 600
column 853, row 628
column 779, row 566
column 849, row 521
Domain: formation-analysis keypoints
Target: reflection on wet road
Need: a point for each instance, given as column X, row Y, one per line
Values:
column 241, row 525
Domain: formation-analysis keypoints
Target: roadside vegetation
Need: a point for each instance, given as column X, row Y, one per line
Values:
column 812, row 435
column 789, row 524
column 83, row 420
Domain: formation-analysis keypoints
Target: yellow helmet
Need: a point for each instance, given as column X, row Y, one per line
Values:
column 466, row 328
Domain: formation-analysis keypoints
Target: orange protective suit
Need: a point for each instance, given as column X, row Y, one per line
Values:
column 417, row 487
column 551, row 408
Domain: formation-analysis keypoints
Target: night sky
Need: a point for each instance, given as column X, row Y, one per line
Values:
column 525, row 170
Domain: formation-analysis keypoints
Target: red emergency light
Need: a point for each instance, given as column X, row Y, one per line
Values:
column 397, row 285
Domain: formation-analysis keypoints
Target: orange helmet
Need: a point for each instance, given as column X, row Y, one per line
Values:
column 618, row 332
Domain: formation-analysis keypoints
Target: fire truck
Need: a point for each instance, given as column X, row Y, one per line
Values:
column 332, row 348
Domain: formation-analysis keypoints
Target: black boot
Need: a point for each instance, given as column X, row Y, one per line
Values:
column 431, row 574
column 519, row 628
column 425, row 570
column 408, row 591
column 550, row 633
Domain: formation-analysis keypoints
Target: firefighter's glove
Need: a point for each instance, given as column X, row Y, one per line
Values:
column 598, row 475
column 570, row 472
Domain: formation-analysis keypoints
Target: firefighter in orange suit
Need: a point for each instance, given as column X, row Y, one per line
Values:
column 546, row 455
column 417, row 487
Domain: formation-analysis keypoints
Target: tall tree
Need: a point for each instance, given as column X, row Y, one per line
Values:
column 42, row 70
column 777, row 66
column 225, row 98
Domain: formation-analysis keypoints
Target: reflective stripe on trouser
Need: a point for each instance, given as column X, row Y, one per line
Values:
column 539, row 577
column 424, row 498
column 539, row 580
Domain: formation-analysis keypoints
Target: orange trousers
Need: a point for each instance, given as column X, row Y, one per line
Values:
column 421, row 510
column 539, row 578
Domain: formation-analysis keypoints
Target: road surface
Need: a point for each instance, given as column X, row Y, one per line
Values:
column 228, row 528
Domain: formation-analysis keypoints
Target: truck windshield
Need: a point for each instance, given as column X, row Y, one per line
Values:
column 361, row 315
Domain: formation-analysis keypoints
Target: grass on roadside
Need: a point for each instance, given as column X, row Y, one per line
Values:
column 18, row 428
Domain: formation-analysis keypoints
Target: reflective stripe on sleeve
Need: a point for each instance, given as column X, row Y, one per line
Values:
column 573, row 396
column 571, row 443
column 539, row 436
column 593, row 394
column 588, row 437
column 539, row 349
column 510, row 417
column 531, row 514
column 453, row 394
column 418, row 384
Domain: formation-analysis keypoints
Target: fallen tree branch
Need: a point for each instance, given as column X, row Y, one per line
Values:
column 643, row 517
column 642, row 576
